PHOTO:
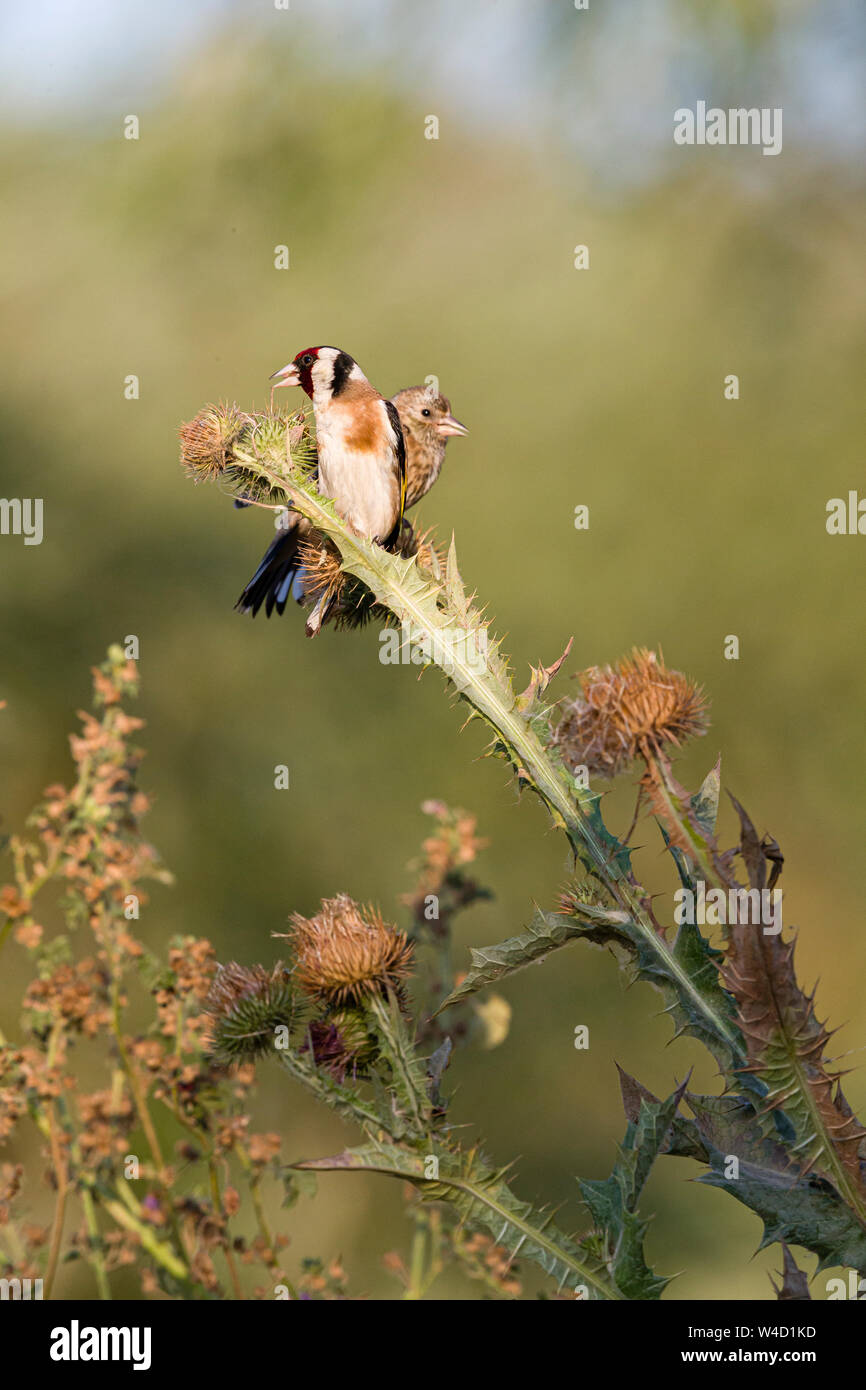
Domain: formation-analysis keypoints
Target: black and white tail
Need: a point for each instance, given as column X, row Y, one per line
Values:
column 278, row 578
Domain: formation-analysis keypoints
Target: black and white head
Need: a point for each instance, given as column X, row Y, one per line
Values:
column 325, row 373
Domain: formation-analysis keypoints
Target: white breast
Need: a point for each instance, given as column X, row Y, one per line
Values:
column 363, row 485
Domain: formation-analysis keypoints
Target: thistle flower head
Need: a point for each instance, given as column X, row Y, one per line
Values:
column 346, row 954
column 249, row 453
column 582, row 893
column 245, row 1006
column 423, row 545
column 342, row 1042
column 350, row 601
column 206, row 442
column 633, row 709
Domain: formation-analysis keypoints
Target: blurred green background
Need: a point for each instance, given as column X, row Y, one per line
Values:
column 605, row 387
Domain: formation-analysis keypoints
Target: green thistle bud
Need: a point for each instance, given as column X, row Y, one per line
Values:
column 248, row 453
column 245, row 1006
column 581, row 893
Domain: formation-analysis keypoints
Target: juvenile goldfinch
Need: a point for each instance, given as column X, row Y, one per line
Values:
column 427, row 426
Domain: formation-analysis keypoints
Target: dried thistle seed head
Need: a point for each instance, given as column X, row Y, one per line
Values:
column 206, row 442
column 348, row 602
column 346, row 954
column 633, row 709
column 245, row 1006
column 320, row 561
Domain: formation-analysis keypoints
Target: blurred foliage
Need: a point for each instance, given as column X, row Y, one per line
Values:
column 605, row 387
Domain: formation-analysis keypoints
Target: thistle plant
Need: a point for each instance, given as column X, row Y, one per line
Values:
column 782, row 1115
column 161, row 1171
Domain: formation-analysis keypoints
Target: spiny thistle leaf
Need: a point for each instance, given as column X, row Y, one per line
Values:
column 704, row 805
column 529, row 701
column 798, row 1207
column 437, row 1065
column 613, row 1202
column 546, row 932
column 700, row 962
column 801, row 1209
column 682, row 1140
column 786, row 1045
column 756, row 853
column 349, row 603
column 686, row 974
column 705, row 802
column 688, row 822
column 482, row 1198
column 455, row 593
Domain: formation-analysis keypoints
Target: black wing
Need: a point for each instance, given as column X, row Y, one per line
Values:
column 394, row 417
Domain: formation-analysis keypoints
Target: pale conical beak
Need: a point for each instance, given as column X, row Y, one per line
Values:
column 448, row 425
column 288, row 376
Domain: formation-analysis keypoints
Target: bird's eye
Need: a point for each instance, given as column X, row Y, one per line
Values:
column 425, row 411
column 307, row 360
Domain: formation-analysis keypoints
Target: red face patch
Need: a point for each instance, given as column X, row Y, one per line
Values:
column 305, row 361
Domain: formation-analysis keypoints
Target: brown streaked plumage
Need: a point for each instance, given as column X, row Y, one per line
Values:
column 428, row 424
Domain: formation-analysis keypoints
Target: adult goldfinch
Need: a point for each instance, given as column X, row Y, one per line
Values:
column 359, row 441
